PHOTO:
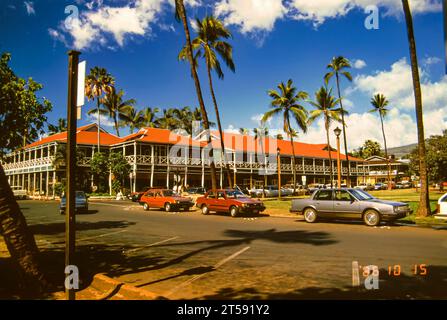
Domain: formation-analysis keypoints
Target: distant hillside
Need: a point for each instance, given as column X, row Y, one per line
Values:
column 401, row 151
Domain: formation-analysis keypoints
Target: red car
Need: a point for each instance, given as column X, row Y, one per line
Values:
column 165, row 199
column 229, row 201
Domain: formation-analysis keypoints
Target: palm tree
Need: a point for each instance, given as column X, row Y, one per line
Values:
column 150, row 117
column 61, row 126
column 287, row 103
column 168, row 120
column 337, row 67
column 180, row 14
column 132, row 118
column 380, row 102
column 209, row 45
column 260, row 134
column 424, row 202
column 98, row 83
column 244, row 131
column 279, row 136
column 326, row 106
column 114, row 106
column 20, row 240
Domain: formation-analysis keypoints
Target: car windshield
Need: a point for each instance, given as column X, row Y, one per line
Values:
column 235, row 194
column 361, row 195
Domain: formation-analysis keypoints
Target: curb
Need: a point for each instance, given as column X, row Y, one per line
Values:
column 114, row 288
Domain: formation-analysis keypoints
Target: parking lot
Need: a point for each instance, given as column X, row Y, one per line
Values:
column 188, row 255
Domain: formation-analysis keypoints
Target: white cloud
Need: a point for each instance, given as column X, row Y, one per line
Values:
column 359, row 64
column 318, row 11
column 29, row 6
column 431, row 60
column 105, row 121
column 57, row 36
column 250, row 15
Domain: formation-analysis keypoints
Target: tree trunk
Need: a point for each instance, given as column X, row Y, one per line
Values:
column 386, row 153
column 219, row 126
column 329, row 151
column 116, row 126
column 182, row 13
column 344, row 131
column 293, row 159
column 19, row 240
column 424, row 202
column 99, row 123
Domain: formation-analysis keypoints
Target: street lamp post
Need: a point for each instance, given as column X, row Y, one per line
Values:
column 278, row 160
column 337, row 132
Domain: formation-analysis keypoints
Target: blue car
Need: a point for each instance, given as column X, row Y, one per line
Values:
column 81, row 202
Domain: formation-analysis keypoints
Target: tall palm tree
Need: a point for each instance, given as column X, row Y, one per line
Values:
column 337, row 67
column 132, row 118
column 424, row 202
column 114, row 106
column 326, row 106
column 261, row 133
column 180, row 14
column 380, row 102
column 287, row 103
column 150, row 117
column 61, row 126
column 168, row 119
column 210, row 45
column 98, row 83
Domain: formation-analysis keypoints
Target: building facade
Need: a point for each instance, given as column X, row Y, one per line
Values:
column 376, row 170
column 161, row 158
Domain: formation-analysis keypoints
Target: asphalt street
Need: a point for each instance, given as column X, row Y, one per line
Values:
column 190, row 256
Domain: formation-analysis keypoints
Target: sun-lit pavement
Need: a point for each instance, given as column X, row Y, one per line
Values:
column 188, row 255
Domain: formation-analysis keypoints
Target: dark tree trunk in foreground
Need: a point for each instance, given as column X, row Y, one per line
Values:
column 424, row 202
column 19, row 240
column 182, row 15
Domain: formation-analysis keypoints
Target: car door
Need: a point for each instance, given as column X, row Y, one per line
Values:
column 345, row 205
column 158, row 200
column 324, row 203
column 221, row 202
column 210, row 200
column 443, row 205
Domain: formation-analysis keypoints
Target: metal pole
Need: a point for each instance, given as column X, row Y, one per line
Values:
column 338, row 163
column 279, row 174
column 73, row 60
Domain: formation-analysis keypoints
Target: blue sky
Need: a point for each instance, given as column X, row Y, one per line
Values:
column 274, row 40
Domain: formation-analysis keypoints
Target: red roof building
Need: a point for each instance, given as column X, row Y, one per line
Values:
column 160, row 157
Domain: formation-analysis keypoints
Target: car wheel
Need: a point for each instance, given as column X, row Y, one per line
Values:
column 167, row 207
column 310, row 215
column 371, row 218
column 234, row 211
column 145, row 206
column 205, row 209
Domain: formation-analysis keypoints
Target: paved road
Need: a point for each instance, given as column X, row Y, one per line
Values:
column 188, row 255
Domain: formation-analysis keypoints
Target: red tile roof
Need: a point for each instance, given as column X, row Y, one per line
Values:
column 88, row 135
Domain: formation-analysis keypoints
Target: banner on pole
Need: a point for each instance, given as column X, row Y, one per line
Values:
column 81, row 88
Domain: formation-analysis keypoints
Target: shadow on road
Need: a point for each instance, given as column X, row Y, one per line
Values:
column 59, row 227
column 405, row 286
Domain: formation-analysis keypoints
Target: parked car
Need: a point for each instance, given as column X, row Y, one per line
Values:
column 364, row 186
column 229, row 201
column 442, row 205
column 81, row 202
column 380, row 186
column 351, row 204
column 136, row 196
column 165, row 199
column 315, row 186
column 196, row 190
column 19, row 192
column 269, row 191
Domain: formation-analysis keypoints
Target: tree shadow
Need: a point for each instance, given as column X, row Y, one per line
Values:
column 59, row 227
column 403, row 287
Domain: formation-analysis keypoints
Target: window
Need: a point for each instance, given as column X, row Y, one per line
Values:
column 342, row 195
column 211, row 195
column 444, row 199
column 324, row 195
column 149, row 194
column 221, row 195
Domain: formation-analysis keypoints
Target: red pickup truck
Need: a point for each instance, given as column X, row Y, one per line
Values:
column 229, row 201
column 165, row 199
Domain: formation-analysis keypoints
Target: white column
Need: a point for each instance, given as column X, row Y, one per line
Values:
column 47, row 184
column 203, row 168
column 135, row 167
column 304, row 170
column 313, row 160
column 168, row 168
column 40, row 182
column 185, row 182
column 152, row 165
column 54, row 183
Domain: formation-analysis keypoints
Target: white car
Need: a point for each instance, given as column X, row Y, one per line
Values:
column 442, row 207
column 19, row 193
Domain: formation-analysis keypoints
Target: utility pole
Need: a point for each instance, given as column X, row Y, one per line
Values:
column 70, row 218
column 278, row 160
